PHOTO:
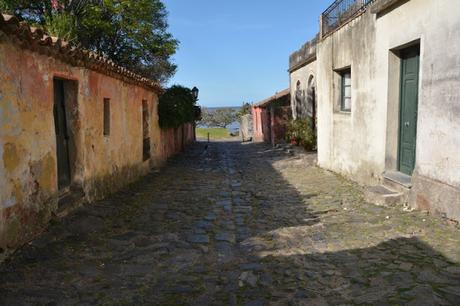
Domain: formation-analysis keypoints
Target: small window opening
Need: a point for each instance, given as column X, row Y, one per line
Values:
column 106, row 116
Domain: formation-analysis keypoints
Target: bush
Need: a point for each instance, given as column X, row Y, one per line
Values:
column 300, row 132
column 176, row 107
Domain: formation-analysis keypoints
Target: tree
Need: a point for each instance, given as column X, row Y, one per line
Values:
column 245, row 109
column 220, row 117
column 131, row 33
column 176, row 107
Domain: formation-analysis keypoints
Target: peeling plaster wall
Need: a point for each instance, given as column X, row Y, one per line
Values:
column 102, row 164
column 363, row 144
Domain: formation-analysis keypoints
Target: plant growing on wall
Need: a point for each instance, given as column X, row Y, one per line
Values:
column 176, row 107
column 300, row 132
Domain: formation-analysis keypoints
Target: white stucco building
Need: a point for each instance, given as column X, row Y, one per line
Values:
column 387, row 83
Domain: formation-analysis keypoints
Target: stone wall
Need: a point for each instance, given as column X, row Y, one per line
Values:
column 363, row 143
column 100, row 164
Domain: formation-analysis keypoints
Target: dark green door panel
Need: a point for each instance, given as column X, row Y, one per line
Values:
column 62, row 135
column 408, row 109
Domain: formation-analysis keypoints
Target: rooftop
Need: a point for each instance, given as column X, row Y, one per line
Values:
column 275, row 97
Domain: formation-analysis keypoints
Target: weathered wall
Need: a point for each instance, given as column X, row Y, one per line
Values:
column 301, row 81
column 280, row 116
column 270, row 120
column 363, row 143
column 174, row 140
column 246, row 127
column 257, row 117
column 437, row 26
column 101, row 164
column 350, row 142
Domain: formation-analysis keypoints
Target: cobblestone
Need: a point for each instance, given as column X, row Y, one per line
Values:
column 238, row 225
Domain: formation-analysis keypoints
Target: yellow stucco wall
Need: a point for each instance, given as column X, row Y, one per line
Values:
column 101, row 164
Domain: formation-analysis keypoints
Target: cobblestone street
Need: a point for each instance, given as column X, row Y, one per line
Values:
column 239, row 224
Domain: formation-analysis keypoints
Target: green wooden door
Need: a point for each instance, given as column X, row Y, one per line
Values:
column 408, row 109
column 62, row 135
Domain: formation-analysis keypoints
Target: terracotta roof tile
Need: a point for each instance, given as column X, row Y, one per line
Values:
column 36, row 40
column 276, row 96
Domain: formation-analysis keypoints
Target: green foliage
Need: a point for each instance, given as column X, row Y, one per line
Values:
column 176, row 107
column 220, row 117
column 132, row 33
column 300, row 132
column 245, row 109
column 63, row 26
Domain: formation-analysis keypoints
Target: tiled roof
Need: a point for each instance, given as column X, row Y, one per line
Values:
column 36, row 40
column 275, row 97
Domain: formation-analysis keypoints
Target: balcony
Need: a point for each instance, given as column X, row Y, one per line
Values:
column 341, row 12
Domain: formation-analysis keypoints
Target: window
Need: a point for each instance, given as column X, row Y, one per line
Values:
column 106, row 116
column 345, row 97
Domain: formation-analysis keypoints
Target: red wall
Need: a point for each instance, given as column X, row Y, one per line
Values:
column 174, row 140
column 269, row 123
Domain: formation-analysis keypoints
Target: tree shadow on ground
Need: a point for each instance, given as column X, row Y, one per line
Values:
column 222, row 224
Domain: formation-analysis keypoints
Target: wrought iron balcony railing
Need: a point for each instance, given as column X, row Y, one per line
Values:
column 340, row 12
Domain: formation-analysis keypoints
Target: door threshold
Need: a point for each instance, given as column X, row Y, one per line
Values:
column 398, row 178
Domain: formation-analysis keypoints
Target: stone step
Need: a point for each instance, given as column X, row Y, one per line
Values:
column 397, row 181
column 381, row 195
column 69, row 201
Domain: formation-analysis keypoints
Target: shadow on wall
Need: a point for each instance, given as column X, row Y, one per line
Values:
column 139, row 238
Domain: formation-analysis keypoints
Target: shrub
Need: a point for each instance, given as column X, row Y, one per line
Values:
column 176, row 107
column 300, row 132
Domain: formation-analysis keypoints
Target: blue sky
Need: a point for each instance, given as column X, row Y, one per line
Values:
column 238, row 50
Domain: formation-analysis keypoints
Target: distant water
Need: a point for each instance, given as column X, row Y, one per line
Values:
column 234, row 127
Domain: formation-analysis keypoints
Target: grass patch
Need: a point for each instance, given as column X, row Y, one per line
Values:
column 214, row 133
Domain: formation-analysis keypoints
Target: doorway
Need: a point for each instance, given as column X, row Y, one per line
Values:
column 62, row 135
column 145, row 131
column 410, row 63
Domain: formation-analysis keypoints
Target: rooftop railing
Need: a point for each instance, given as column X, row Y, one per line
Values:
column 340, row 12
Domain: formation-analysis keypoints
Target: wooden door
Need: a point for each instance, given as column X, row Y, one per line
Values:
column 408, row 109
